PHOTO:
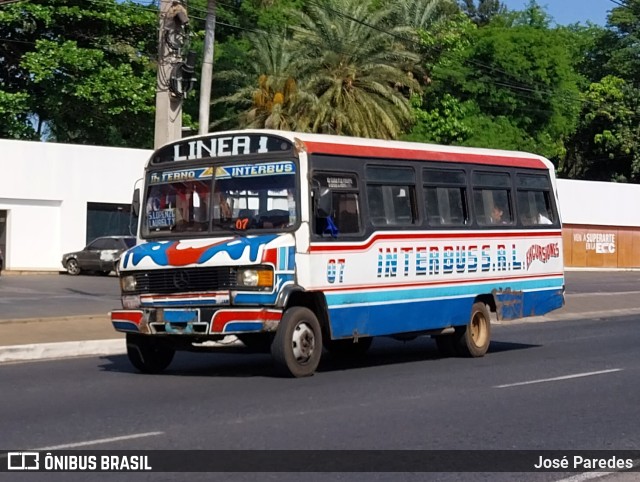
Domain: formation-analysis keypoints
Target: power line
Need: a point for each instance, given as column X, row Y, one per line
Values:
column 470, row 61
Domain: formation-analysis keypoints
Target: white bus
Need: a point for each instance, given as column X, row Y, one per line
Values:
column 293, row 242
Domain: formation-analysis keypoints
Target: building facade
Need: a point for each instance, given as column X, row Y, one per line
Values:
column 55, row 198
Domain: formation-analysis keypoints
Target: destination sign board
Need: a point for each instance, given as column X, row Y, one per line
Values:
column 211, row 147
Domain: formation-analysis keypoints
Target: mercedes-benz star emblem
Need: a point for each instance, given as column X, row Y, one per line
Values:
column 181, row 279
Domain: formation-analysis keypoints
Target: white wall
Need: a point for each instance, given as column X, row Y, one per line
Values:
column 599, row 203
column 46, row 187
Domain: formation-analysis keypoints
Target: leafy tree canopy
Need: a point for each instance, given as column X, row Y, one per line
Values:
column 82, row 70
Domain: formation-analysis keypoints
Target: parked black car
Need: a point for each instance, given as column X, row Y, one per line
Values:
column 100, row 255
column 1, row 261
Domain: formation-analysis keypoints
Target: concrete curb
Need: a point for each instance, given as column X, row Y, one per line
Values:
column 66, row 349
column 54, row 319
column 71, row 349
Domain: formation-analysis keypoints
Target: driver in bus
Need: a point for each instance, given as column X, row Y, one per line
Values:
column 225, row 209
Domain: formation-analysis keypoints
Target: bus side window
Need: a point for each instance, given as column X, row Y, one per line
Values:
column 534, row 200
column 391, row 196
column 347, row 212
column 336, row 205
column 445, row 196
column 492, row 198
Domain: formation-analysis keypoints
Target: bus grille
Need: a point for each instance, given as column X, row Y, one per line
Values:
column 184, row 280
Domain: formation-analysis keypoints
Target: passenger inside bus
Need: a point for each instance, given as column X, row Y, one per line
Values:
column 497, row 215
column 542, row 219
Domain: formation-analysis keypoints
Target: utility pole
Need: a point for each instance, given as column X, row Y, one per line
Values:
column 168, row 124
column 207, row 68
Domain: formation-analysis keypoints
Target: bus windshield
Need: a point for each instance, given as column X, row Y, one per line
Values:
column 236, row 197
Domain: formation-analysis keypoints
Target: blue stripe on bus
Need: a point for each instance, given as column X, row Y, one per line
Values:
column 291, row 262
column 336, row 300
column 379, row 320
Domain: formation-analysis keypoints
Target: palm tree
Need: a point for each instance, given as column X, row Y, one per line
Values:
column 421, row 14
column 349, row 66
column 271, row 87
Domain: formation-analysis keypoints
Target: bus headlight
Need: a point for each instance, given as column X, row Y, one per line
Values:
column 255, row 277
column 128, row 283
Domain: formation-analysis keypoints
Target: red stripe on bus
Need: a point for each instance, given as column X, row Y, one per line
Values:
column 413, row 237
column 421, row 155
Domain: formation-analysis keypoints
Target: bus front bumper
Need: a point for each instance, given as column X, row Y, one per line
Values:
column 196, row 321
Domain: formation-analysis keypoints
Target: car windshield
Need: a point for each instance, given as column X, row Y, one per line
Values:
column 234, row 197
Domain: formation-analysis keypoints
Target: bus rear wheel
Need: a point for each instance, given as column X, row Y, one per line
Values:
column 147, row 354
column 474, row 338
column 297, row 346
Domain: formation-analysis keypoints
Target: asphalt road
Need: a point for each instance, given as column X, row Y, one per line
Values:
column 51, row 295
column 556, row 385
column 560, row 385
column 35, row 296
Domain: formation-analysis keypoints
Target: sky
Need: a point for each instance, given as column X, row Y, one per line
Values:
column 565, row 12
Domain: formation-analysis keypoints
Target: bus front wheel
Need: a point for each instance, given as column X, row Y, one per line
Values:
column 147, row 354
column 297, row 346
column 474, row 338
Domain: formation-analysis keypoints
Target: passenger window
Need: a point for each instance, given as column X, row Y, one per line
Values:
column 534, row 200
column 492, row 198
column 445, row 197
column 391, row 196
column 347, row 212
column 336, row 205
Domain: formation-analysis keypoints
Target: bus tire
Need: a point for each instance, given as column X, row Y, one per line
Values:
column 147, row 354
column 347, row 348
column 297, row 346
column 475, row 336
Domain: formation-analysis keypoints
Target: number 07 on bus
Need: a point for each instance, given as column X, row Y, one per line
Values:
column 294, row 243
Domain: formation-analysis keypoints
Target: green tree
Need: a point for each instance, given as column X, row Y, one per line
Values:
column 482, row 13
column 517, row 85
column 14, row 109
column 352, row 80
column 83, row 69
column 606, row 145
column 622, row 42
column 266, row 100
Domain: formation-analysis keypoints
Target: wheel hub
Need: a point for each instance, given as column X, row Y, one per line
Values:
column 303, row 342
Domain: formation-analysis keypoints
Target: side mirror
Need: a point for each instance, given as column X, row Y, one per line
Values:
column 135, row 202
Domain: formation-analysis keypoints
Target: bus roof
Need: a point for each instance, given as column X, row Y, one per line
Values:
column 385, row 149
